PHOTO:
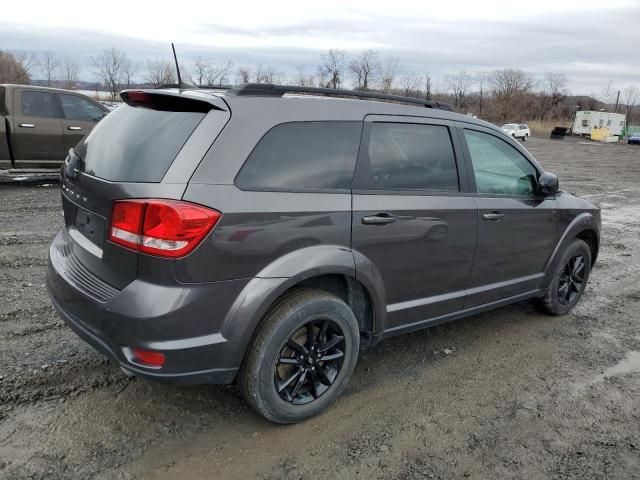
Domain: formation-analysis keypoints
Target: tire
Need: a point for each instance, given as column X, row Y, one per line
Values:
column 322, row 381
column 556, row 302
column 524, row 139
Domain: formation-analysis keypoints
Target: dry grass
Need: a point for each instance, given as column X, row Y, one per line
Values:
column 543, row 128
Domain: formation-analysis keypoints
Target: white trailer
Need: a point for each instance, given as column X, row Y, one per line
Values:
column 586, row 120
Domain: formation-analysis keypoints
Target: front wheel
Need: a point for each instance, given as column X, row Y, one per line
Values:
column 569, row 280
column 302, row 357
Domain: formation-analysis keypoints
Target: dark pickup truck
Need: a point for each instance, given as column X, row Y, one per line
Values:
column 38, row 125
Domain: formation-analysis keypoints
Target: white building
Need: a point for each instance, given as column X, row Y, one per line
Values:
column 585, row 121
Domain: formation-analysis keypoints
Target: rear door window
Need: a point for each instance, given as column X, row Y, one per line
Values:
column 38, row 104
column 406, row 156
column 136, row 144
column 303, row 156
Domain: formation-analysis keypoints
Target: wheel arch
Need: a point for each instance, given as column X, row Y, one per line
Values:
column 325, row 267
column 585, row 227
column 591, row 238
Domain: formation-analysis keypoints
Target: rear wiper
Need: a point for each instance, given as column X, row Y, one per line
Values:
column 72, row 164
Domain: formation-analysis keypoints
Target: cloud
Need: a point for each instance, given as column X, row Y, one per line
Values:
column 591, row 47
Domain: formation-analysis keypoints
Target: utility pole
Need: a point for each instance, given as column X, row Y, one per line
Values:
column 617, row 101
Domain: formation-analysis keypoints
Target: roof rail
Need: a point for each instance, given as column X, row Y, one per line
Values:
column 271, row 90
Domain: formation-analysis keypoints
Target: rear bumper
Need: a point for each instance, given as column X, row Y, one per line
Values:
column 185, row 322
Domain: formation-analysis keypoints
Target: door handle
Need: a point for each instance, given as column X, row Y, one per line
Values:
column 74, row 128
column 26, row 125
column 379, row 219
column 493, row 216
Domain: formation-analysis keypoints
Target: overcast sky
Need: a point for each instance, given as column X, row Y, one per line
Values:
column 591, row 41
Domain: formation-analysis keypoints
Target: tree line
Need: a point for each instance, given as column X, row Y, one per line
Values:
column 509, row 94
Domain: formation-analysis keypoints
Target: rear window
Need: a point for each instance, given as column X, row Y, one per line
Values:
column 136, row 144
column 303, row 156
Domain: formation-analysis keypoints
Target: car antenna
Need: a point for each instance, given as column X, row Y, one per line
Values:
column 177, row 66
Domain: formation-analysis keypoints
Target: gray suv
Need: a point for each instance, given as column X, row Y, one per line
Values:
column 263, row 235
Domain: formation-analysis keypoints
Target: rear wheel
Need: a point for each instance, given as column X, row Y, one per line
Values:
column 302, row 357
column 569, row 280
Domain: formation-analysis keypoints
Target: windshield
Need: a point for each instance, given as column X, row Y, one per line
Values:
column 509, row 126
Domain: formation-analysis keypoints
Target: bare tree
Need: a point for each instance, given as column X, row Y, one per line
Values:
column 365, row 69
column 481, row 81
column 390, row 69
column 265, row 74
column 243, row 75
column 428, row 85
column 200, row 70
column 331, row 68
column 459, row 85
column 218, row 73
column 302, row 78
column 630, row 97
column 553, row 93
column 50, row 65
column 509, row 87
column 411, row 83
column 160, row 72
column 607, row 93
column 108, row 67
column 70, row 70
column 27, row 60
column 11, row 70
column 129, row 71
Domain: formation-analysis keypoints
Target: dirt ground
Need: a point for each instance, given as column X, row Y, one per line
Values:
column 506, row 394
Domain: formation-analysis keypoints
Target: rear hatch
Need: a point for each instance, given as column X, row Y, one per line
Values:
column 146, row 148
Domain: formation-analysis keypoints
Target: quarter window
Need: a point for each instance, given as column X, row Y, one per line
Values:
column 38, row 104
column 303, row 156
column 405, row 156
column 498, row 167
column 78, row 108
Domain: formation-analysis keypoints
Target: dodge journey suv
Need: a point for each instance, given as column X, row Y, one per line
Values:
column 263, row 235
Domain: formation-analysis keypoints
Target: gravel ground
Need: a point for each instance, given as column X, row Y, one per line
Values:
column 506, row 394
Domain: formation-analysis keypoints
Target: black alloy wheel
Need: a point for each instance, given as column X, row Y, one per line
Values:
column 571, row 280
column 302, row 356
column 310, row 361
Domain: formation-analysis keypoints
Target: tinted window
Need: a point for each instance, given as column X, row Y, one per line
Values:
column 136, row 144
column 411, row 157
column 303, row 155
column 78, row 108
column 498, row 167
column 38, row 104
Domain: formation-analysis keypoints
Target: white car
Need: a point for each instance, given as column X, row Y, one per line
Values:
column 517, row 130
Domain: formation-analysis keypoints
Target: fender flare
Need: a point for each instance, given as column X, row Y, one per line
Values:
column 255, row 299
column 582, row 222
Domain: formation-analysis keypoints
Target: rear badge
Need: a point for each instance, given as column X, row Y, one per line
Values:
column 74, row 194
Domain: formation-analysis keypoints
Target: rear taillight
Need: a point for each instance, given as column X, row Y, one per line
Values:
column 166, row 228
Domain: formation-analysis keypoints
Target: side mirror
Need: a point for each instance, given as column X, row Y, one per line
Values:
column 548, row 184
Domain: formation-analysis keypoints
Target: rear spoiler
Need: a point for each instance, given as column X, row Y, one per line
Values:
column 173, row 101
